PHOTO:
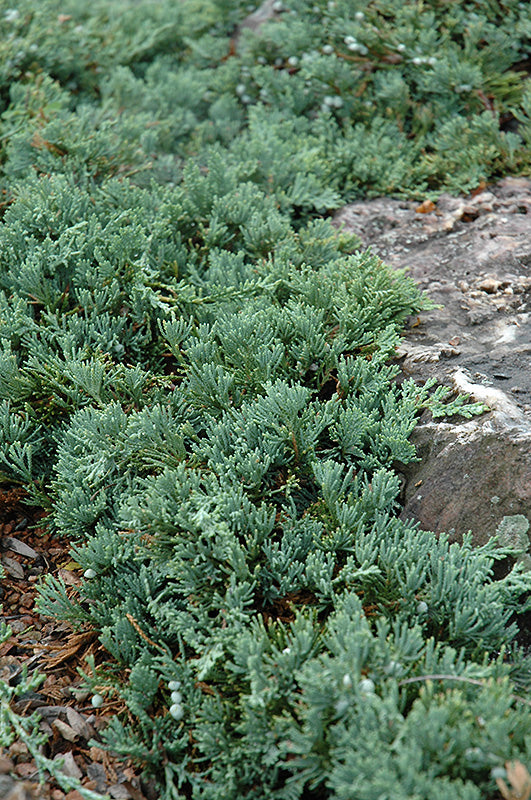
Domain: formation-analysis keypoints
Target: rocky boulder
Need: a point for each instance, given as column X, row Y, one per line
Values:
column 472, row 257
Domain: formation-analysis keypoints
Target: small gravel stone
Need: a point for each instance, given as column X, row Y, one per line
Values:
column 490, row 285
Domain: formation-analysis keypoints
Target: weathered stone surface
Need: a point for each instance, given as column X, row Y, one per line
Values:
column 472, row 475
column 472, row 256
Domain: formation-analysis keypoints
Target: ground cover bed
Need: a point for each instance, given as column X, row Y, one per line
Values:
column 200, row 409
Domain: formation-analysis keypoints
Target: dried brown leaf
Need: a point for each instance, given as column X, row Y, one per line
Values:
column 68, row 577
column 426, row 207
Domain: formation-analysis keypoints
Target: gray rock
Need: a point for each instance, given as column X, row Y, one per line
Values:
column 472, row 257
column 472, row 475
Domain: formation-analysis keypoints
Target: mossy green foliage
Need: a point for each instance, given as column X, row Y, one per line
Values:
column 195, row 378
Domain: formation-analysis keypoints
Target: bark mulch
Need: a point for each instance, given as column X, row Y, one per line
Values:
column 29, row 552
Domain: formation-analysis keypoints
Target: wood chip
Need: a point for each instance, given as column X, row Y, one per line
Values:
column 6, row 765
column 69, row 766
column 26, row 769
column 51, row 712
column 97, row 754
column 23, row 549
column 10, row 666
column 6, row 648
column 74, row 795
column 13, row 568
column 78, row 722
column 97, row 774
column 18, row 749
column 65, row 730
column 120, row 792
column 135, row 793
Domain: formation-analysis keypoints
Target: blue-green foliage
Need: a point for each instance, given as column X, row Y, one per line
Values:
column 327, row 101
column 196, row 377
